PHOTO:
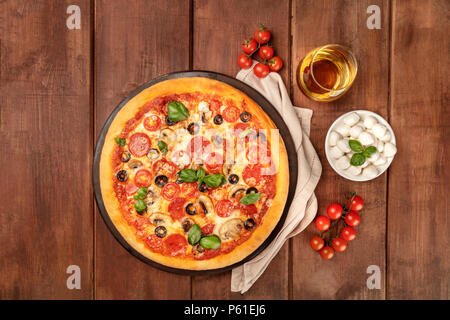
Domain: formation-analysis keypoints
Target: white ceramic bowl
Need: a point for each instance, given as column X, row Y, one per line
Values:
column 362, row 114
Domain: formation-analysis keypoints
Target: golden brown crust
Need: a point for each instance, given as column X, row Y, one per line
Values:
column 179, row 86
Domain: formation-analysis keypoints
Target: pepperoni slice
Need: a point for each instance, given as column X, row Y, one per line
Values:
column 231, row 114
column 208, row 229
column 175, row 244
column 214, row 162
column 131, row 188
column 215, row 106
column 224, row 208
column 252, row 174
column 176, row 208
column 248, row 209
column 170, row 191
column 139, row 144
column 239, row 128
column 164, row 167
column 258, row 154
column 154, row 242
column 190, row 189
column 152, row 123
column 198, row 146
column 143, row 178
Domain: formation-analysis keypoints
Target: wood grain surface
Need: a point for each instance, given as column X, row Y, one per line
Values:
column 58, row 86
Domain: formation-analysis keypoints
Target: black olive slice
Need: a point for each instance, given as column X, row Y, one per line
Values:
column 179, row 181
column 205, row 211
column 245, row 116
column 169, row 122
column 161, row 180
column 125, row 156
column 203, row 187
column 193, row 128
column 249, row 224
column 190, row 209
column 218, row 119
column 233, row 178
column 204, row 120
column 122, row 175
column 161, row 231
column 251, row 190
column 262, row 136
column 217, row 140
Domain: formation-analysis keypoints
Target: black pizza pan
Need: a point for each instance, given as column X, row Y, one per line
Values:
column 262, row 102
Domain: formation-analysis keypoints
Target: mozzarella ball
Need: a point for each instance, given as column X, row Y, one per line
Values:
column 342, row 163
column 349, row 155
column 389, row 150
column 366, row 138
column 379, row 130
column 203, row 106
column 374, row 157
column 351, row 119
column 335, row 152
column 365, row 164
column 356, row 131
column 333, row 138
column 380, row 146
column 353, row 171
column 387, row 137
column 380, row 161
column 370, row 172
column 342, row 129
column 343, row 145
column 369, row 122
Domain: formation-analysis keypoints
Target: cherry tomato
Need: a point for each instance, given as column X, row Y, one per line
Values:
column 322, row 223
column 170, row 191
column 275, row 64
column 244, row 62
column 261, row 70
column 152, row 123
column 348, row 233
column 266, row 52
column 327, row 253
column 317, row 243
column 357, row 203
column 143, row 178
column 339, row 244
column 334, row 211
column 262, row 35
column 249, row 46
column 352, row 218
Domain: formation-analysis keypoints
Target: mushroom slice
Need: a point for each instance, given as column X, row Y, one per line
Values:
column 158, row 219
column 187, row 224
column 153, row 194
column 231, row 229
column 235, row 190
column 206, row 204
column 134, row 164
column 167, row 135
column 153, row 154
column 198, row 250
column 227, row 168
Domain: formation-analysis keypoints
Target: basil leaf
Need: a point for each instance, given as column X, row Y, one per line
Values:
column 176, row 111
column 141, row 193
column 250, row 198
column 188, row 175
column 355, row 145
column 214, row 180
column 140, row 205
column 369, row 150
column 357, row 159
column 210, row 242
column 244, row 133
column 200, row 173
column 121, row 141
column 194, row 235
column 162, row 146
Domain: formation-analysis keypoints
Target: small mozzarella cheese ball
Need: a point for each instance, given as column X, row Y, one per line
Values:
column 369, row 122
column 351, row 119
column 387, row 137
column 389, row 150
column 374, row 157
column 333, row 139
column 366, row 138
column 349, row 155
column 196, row 117
column 343, row 145
column 335, row 152
column 203, row 106
column 353, row 171
column 343, row 163
column 380, row 161
column 356, row 131
column 365, row 164
column 379, row 130
column 342, row 129
column 370, row 172
column 380, row 146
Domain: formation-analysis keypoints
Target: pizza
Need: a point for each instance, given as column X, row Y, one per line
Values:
column 193, row 174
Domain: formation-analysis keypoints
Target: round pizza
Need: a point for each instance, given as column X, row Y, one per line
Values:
column 193, row 174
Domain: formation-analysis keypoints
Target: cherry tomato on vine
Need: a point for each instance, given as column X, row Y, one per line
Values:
column 339, row 244
column 262, row 34
column 322, row 223
column 244, row 61
column 357, row 203
column 266, row 52
column 275, row 64
column 249, row 46
column 352, row 218
column 327, row 253
column 317, row 243
column 348, row 233
column 334, row 211
column 261, row 70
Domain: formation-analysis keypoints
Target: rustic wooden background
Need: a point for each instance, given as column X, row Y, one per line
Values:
column 58, row 86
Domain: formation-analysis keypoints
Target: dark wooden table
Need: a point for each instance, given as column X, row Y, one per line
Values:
column 58, row 86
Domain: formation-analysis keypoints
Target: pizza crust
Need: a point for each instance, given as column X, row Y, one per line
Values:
column 178, row 86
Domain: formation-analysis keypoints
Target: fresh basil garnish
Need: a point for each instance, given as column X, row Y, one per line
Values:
column 194, row 235
column 214, row 180
column 210, row 242
column 121, row 141
column 368, row 151
column 200, row 173
column 176, row 111
column 162, row 146
column 140, row 205
column 357, row 159
column 141, row 193
column 250, row 198
column 187, row 175
column 355, row 145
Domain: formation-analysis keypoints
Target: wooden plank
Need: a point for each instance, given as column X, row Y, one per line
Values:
column 46, row 212
column 317, row 23
column 135, row 41
column 418, row 256
column 216, row 48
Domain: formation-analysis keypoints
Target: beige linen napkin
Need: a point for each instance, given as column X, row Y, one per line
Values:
column 304, row 204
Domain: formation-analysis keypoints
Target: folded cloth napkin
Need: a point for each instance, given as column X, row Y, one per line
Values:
column 304, row 204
